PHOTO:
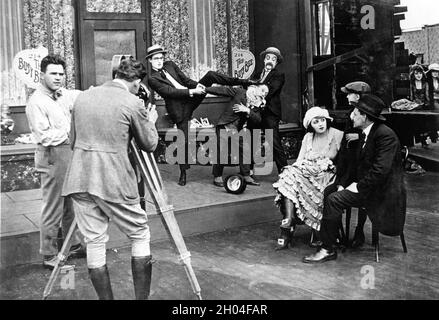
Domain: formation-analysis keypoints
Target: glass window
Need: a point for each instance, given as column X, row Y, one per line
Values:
column 109, row 43
column 322, row 18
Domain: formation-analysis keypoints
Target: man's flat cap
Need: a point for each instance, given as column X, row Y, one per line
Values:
column 359, row 87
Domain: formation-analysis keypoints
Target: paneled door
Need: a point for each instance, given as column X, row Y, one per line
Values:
column 105, row 31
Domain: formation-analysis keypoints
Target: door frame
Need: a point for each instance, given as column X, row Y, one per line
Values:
column 87, row 22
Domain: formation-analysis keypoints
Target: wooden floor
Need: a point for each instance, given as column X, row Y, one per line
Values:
column 241, row 264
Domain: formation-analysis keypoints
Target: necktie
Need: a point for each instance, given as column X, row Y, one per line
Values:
column 174, row 82
column 262, row 76
column 362, row 139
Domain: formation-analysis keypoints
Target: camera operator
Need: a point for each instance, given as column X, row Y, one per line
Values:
column 101, row 181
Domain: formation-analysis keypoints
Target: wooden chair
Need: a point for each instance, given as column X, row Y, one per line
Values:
column 375, row 235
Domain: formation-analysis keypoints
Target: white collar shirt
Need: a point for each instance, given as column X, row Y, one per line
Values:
column 366, row 132
column 49, row 118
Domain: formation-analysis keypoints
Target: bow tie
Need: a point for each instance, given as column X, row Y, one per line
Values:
column 57, row 94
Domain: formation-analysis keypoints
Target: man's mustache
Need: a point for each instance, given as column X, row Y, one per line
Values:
column 269, row 64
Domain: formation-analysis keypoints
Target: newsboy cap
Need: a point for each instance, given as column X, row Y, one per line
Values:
column 358, row 87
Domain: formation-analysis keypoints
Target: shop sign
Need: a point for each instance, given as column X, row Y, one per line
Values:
column 243, row 63
column 27, row 65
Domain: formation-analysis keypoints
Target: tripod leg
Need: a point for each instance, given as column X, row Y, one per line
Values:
column 175, row 233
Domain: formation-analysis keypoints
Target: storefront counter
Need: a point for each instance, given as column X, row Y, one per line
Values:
column 407, row 124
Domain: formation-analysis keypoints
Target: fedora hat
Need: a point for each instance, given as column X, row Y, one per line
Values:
column 433, row 67
column 274, row 51
column 372, row 106
column 358, row 87
column 154, row 49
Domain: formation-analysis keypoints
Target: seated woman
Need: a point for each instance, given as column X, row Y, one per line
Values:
column 301, row 185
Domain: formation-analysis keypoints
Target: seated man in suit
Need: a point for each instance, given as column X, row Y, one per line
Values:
column 182, row 95
column 377, row 186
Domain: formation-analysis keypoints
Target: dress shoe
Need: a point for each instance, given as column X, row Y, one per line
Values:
column 250, row 181
column 218, row 183
column 77, row 251
column 320, row 256
column 359, row 238
column 49, row 262
column 182, row 180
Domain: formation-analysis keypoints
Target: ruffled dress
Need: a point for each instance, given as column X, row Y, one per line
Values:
column 304, row 181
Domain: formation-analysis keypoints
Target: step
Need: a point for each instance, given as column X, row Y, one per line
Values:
column 199, row 207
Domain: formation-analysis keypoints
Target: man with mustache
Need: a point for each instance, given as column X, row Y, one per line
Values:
column 48, row 112
column 274, row 79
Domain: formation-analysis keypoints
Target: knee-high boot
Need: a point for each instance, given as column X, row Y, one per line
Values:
column 288, row 224
column 141, row 268
column 101, row 282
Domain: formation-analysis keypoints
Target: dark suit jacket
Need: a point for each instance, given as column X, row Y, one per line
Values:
column 275, row 81
column 178, row 102
column 238, row 96
column 380, row 179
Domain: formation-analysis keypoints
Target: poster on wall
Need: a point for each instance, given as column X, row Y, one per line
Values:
column 243, row 63
column 26, row 65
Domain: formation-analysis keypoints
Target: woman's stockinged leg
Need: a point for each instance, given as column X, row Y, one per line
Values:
column 287, row 226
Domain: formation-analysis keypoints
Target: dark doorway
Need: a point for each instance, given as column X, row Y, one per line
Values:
column 276, row 23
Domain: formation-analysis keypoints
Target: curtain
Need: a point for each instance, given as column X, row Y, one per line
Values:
column 50, row 23
column 12, row 90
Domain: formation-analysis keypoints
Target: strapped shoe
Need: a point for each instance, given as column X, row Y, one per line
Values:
column 320, row 256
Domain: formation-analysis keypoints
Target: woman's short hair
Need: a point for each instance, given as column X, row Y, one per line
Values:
column 131, row 70
column 52, row 59
column 311, row 129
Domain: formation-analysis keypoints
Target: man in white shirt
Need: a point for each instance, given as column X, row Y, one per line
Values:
column 49, row 114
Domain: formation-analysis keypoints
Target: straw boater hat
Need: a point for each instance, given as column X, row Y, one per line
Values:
column 372, row 106
column 154, row 49
column 433, row 67
column 313, row 113
column 274, row 51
